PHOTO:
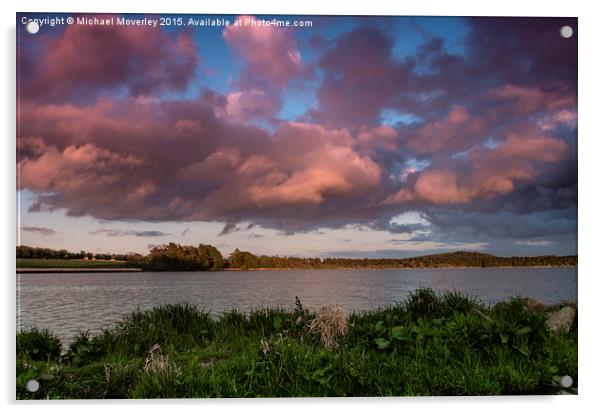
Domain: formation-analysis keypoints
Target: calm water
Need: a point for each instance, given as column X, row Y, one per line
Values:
column 66, row 303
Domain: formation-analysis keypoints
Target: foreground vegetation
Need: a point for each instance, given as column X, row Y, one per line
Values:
column 205, row 257
column 428, row 345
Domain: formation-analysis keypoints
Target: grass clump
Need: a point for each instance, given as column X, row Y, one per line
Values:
column 429, row 344
column 38, row 345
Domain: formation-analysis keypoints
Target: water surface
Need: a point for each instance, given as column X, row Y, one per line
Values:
column 68, row 302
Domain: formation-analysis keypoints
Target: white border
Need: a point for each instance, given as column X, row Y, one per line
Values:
column 589, row 189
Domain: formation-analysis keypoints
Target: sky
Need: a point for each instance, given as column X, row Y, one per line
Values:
column 349, row 137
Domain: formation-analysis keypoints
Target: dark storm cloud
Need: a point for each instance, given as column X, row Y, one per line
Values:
column 461, row 224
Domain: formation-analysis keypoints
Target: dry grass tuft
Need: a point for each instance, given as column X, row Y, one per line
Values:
column 330, row 324
column 156, row 360
column 264, row 345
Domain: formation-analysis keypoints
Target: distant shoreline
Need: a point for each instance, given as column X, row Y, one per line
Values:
column 400, row 268
column 205, row 257
column 127, row 270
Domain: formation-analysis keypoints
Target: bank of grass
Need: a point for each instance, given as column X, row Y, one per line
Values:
column 75, row 263
column 428, row 345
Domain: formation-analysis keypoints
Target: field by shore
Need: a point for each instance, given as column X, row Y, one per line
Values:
column 428, row 345
column 41, row 265
column 70, row 263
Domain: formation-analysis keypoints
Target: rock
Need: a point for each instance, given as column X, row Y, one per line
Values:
column 534, row 305
column 556, row 307
column 561, row 320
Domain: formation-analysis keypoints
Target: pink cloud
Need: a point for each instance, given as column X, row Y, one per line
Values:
column 163, row 161
column 539, row 148
column 214, row 168
column 384, row 137
column 270, row 52
column 565, row 117
column 104, row 123
column 525, row 100
column 307, row 164
column 145, row 159
column 455, row 132
column 402, row 196
column 272, row 59
column 330, row 170
column 74, row 168
column 85, row 61
column 441, row 187
column 245, row 104
column 250, row 104
column 484, row 173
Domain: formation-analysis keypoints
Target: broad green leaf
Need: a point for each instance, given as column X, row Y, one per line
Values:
column 382, row 343
column 398, row 333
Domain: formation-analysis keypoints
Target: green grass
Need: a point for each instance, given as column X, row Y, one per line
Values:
column 428, row 345
column 59, row 263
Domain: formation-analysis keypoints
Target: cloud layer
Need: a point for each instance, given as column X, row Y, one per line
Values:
column 492, row 134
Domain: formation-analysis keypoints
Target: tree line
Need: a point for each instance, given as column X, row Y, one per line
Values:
column 205, row 257
column 244, row 259
column 23, row 251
